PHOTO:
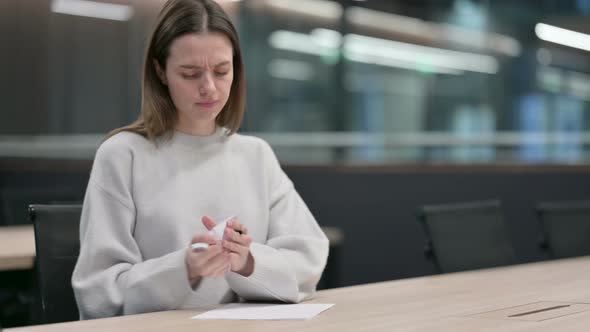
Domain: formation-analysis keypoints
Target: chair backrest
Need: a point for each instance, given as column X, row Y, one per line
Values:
column 566, row 227
column 467, row 236
column 57, row 243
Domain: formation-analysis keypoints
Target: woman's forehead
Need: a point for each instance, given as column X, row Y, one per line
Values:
column 213, row 48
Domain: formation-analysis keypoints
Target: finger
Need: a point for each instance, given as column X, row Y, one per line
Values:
column 220, row 272
column 203, row 238
column 206, row 269
column 237, row 226
column 202, row 257
column 197, row 263
column 215, row 264
column 236, row 261
column 243, row 239
column 233, row 247
column 208, row 222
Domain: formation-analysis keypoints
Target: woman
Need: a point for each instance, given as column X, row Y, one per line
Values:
column 160, row 184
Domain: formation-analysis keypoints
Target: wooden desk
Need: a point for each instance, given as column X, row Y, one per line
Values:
column 17, row 247
column 436, row 303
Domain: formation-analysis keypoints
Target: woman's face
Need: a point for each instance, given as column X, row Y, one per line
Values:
column 199, row 75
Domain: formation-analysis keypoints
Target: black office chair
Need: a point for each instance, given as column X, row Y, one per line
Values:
column 331, row 276
column 565, row 227
column 466, row 236
column 57, row 244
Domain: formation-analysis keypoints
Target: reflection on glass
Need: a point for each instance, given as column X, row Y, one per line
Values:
column 332, row 81
column 568, row 120
column 532, row 118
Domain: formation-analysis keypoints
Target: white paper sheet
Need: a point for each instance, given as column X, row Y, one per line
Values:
column 218, row 232
column 262, row 311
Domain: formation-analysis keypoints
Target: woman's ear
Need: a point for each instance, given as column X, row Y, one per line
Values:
column 160, row 72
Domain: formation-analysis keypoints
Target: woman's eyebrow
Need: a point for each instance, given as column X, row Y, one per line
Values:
column 187, row 66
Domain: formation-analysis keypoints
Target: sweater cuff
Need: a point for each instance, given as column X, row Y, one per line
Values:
column 177, row 278
column 145, row 293
column 191, row 297
column 270, row 279
column 205, row 292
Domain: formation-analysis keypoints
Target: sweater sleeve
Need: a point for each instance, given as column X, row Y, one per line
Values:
column 110, row 277
column 289, row 265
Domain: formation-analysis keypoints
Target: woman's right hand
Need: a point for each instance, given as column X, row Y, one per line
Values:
column 211, row 262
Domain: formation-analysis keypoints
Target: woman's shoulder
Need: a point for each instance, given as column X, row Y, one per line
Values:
column 255, row 148
column 252, row 143
column 122, row 143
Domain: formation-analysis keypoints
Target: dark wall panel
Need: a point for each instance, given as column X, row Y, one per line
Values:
column 374, row 207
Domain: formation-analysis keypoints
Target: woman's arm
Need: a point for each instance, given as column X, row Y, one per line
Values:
column 289, row 265
column 111, row 277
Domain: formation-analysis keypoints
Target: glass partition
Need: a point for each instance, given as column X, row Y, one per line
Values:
column 329, row 82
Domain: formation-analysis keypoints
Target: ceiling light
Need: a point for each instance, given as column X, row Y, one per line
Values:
column 563, row 36
column 108, row 11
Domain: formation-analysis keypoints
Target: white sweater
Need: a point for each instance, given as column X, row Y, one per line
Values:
column 144, row 203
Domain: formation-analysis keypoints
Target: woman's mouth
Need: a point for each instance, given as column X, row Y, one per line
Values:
column 207, row 104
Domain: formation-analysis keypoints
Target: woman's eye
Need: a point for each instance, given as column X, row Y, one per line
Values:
column 218, row 73
column 189, row 76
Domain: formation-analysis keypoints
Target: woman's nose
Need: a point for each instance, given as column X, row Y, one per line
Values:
column 206, row 85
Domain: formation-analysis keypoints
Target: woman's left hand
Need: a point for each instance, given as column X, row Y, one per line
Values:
column 237, row 242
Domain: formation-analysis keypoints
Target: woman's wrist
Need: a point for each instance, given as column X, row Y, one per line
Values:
column 194, row 282
column 248, row 268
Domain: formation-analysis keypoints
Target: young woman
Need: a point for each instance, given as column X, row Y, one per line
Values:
column 160, row 184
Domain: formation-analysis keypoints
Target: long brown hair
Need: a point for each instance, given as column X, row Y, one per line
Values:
column 177, row 18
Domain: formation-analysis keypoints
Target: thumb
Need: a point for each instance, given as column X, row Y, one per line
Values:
column 208, row 222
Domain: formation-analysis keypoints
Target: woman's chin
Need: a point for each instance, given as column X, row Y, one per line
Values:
column 204, row 115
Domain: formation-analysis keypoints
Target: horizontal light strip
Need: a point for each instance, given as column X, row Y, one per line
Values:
column 107, row 11
column 420, row 55
column 438, row 32
column 563, row 36
column 352, row 139
column 332, row 11
column 84, row 146
column 299, row 42
column 329, row 10
column 389, row 62
column 383, row 52
column 290, row 70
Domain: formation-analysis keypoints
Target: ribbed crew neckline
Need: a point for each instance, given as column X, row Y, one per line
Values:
column 181, row 139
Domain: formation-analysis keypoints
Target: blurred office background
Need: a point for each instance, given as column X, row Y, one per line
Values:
column 353, row 82
column 373, row 107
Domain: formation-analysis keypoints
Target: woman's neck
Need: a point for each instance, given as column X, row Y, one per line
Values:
column 196, row 129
